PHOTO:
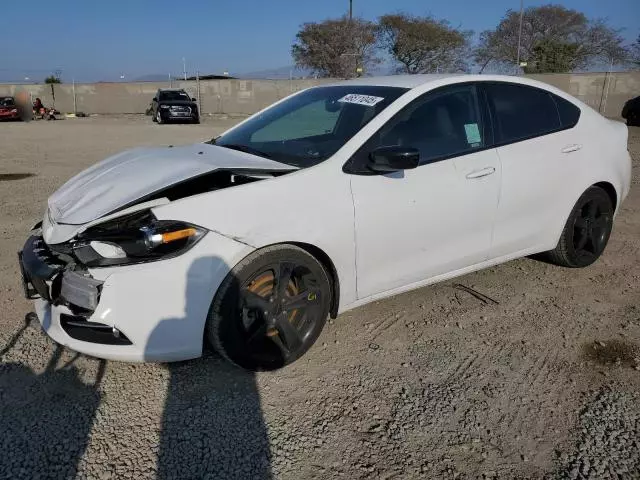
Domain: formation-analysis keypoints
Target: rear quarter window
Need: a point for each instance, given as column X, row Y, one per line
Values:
column 568, row 112
column 521, row 112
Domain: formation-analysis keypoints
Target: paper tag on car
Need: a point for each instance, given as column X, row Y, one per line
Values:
column 473, row 134
column 366, row 100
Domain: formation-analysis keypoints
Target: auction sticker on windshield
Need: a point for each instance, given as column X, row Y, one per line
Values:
column 367, row 100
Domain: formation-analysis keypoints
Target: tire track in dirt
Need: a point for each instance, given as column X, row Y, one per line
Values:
column 384, row 326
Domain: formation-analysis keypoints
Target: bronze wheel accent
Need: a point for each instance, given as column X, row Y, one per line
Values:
column 279, row 305
column 271, row 308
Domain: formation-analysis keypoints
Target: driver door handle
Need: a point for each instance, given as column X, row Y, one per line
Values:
column 481, row 173
column 571, row 148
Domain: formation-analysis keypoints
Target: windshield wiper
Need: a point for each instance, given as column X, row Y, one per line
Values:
column 245, row 149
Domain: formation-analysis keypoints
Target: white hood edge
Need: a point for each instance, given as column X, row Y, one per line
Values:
column 60, row 232
column 126, row 177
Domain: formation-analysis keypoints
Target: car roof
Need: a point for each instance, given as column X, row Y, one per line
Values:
column 171, row 89
column 404, row 81
column 414, row 81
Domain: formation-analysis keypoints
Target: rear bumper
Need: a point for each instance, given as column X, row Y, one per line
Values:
column 146, row 312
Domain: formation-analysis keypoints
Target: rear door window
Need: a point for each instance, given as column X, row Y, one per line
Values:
column 521, row 112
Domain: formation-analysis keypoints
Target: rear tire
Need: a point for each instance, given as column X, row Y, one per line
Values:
column 270, row 309
column 587, row 231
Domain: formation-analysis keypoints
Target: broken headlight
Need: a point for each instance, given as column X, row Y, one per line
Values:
column 134, row 238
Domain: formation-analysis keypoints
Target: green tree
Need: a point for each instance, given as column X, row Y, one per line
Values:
column 336, row 47
column 52, row 79
column 552, row 56
column 424, row 44
column 550, row 26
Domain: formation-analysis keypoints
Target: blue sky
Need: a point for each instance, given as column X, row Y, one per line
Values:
column 101, row 40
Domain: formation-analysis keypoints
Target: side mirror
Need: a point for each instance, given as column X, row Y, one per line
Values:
column 193, row 99
column 393, row 159
column 155, row 99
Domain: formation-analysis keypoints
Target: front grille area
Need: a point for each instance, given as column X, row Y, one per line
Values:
column 48, row 276
column 44, row 254
column 180, row 109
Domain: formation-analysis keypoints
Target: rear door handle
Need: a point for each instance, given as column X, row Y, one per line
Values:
column 481, row 173
column 571, row 148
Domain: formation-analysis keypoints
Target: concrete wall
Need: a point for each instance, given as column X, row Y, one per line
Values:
column 604, row 92
column 217, row 96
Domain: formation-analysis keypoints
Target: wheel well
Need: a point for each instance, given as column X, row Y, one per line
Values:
column 330, row 268
column 611, row 191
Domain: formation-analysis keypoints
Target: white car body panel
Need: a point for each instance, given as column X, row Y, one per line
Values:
column 263, row 215
column 536, row 199
column 430, row 221
column 384, row 234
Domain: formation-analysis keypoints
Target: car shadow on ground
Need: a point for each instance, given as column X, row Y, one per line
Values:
column 212, row 423
column 45, row 418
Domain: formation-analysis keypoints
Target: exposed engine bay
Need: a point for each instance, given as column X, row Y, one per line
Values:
column 211, row 181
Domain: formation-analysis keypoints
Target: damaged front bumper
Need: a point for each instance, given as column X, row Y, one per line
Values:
column 45, row 277
column 152, row 311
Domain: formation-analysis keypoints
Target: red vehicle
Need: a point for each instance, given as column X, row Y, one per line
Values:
column 9, row 110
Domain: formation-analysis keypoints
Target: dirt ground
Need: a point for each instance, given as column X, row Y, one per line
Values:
column 541, row 382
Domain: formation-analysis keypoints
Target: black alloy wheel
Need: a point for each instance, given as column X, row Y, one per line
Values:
column 270, row 309
column 591, row 228
column 587, row 230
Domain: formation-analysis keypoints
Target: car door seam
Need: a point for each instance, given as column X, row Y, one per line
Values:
column 355, row 236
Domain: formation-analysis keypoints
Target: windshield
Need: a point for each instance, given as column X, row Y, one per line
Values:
column 7, row 101
column 174, row 96
column 311, row 126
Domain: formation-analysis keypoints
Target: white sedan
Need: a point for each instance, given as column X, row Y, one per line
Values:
column 334, row 197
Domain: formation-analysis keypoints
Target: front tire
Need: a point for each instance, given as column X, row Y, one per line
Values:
column 159, row 120
column 270, row 309
column 587, row 231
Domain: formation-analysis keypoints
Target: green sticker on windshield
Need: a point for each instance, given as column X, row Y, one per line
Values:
column 473, row 133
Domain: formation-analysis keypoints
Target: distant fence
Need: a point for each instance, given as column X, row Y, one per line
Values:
column 606, row 92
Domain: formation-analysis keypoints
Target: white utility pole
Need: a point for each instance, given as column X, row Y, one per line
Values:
column 75, row 106
column 519, row 38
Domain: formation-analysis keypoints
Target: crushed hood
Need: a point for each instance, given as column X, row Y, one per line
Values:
column 122, row 179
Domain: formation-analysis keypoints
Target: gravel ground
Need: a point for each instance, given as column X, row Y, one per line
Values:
column 435, row 383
